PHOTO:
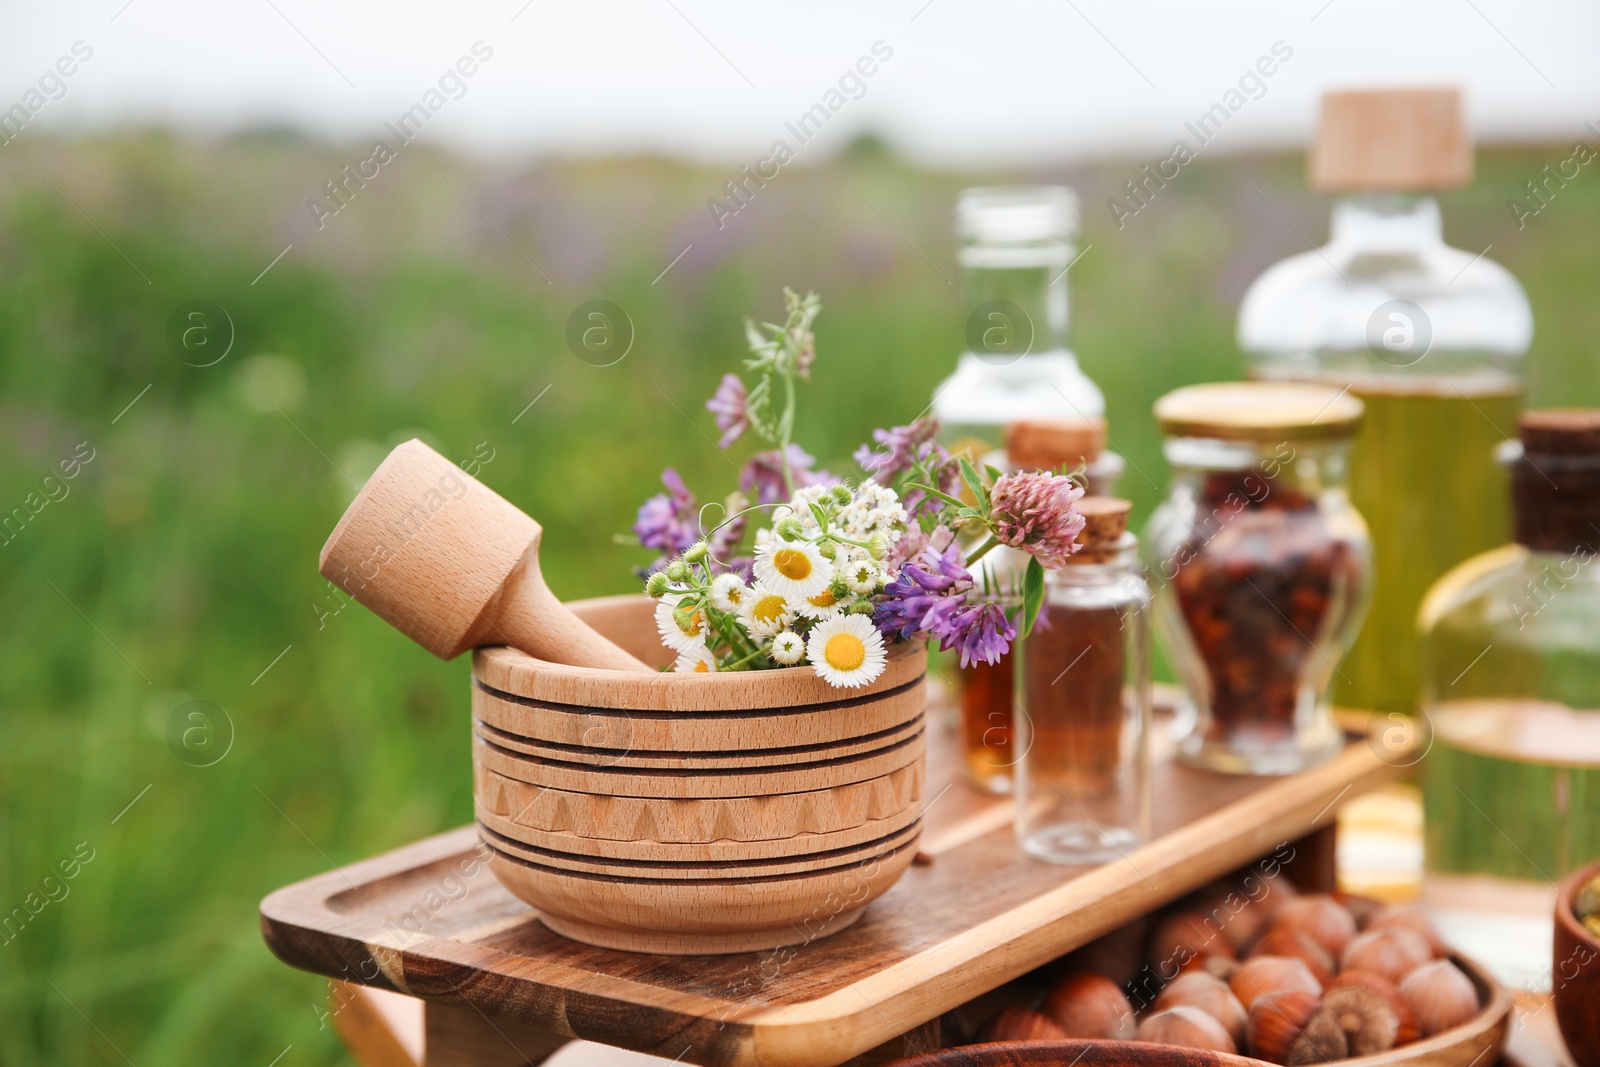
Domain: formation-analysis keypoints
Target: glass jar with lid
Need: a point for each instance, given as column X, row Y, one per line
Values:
column 1261, row 567
column 1511, row 678
column 1083, row 701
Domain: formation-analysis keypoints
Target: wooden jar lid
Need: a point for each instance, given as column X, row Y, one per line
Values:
column 1560, row 431
column 1391, row 140
column 1047, row 445
column 1259, row 411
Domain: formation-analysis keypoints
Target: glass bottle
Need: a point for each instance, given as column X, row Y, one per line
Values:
column 1015, row 245
column 1261, row 568
column 1083, row 702
column 1511, row 677
column 1430, row 337
column 987, row 691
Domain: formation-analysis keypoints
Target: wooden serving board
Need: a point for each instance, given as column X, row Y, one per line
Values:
column 429, row 920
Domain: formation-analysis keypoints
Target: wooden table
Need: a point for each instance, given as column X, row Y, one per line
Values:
column 428, row 920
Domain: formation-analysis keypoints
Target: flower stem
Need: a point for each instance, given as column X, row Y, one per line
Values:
column 736, row 664
column 983, row 550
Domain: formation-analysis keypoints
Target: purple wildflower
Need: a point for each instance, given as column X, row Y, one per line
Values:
column 729, row 406
column 668, row 521
column 1034, row 512
column 901, row 444
column 932, row 596
column 979, row 632
column 763, row 475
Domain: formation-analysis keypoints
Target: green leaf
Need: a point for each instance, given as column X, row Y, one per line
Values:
column 1032, row 594
column 995, row 473
column 969, row 474
column 817, row 513
column 931, row 491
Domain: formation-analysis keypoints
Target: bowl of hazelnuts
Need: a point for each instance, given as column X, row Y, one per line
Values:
column 1290, row 979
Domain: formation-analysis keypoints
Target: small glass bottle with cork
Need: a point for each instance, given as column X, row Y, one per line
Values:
column 988, row 691
column 1082, row 728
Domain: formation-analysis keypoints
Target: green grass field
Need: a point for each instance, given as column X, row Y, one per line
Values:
column 181, row 562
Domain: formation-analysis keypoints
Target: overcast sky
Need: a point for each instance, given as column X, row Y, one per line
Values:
column 967, row 81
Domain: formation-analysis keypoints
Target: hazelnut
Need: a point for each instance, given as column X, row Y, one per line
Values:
column 1440, row 996
column 1020, row 1024
column 1276, row 1021
column 1392, row 953
column 1184, row 935
column 1189, row 1027
column 1370, row 1011
column 1410, row 917
column 1211, row 995
column 1362, row 909
column 1320, row 1041
column 1090, row 1006
column 1220, row 967
column 1321, row 918
column 1287, row 940
column 1278, row 893
column 1263, row 975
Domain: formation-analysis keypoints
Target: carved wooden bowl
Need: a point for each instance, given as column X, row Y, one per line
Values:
column 694, row 814
column 1575, row 974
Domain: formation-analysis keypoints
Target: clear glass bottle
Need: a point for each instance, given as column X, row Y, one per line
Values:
column 1082, row 729
column 1015, row 247
column 1511, row 678
column 1261, row 568
column 1430, row 337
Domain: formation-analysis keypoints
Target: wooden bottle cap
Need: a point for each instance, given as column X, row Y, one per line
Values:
column 1105, row 521
column 1047, row 445
column 1391, row 140
column 449, row 563
column 1560, row 431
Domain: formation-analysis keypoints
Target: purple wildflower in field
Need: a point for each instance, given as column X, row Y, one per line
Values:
column 729, row 405
column 762, row 475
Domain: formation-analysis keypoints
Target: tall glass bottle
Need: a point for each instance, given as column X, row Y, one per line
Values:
column 1430, row 337
column 1015, row 247
column 1511, row 681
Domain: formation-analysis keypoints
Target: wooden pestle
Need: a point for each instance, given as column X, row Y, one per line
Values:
column 449, row 563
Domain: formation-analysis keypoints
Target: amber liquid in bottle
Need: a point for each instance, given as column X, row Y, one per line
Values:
column 987, row 692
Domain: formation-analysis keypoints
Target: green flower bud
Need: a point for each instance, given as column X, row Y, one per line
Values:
column 860, row 607
column 878, row 545
column 678, row 571
column 841, row 494
column 828, row 549
column 656, row 584
column 697, row 552
column 790, row 529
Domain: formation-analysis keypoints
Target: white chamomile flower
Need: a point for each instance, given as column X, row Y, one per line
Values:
column 847, row 651
column 696, row 661
column 822, row 606
column 728, row 593
column 793, row 569
column 863, row 576
column 788, row 648
column 764, row 612
column 684, row 632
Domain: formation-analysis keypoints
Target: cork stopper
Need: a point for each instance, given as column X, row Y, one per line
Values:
column 1560, row 431
column 1105, row 521
column 1555, row 480
column 1048, row 445
column 1259, row 411
column 1391, row 140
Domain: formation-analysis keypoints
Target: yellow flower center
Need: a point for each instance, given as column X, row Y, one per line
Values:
column 735, row 595
column 700, row 667
column 844, row 652
column 768, row 609
column 792, row 564
column 824, row 599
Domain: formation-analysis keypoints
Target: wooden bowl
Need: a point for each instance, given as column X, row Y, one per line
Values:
column 1575, row 974
column 1475, row 1043
column 693, row 813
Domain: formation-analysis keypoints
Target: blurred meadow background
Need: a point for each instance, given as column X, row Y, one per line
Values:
column 181, row 563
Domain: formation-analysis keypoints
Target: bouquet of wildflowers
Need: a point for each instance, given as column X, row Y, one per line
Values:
column 839, row 569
